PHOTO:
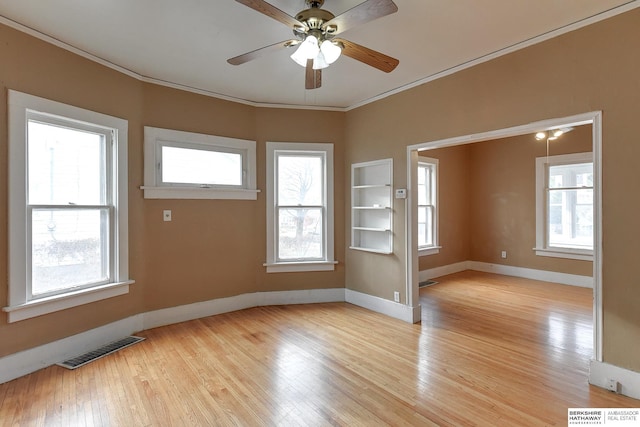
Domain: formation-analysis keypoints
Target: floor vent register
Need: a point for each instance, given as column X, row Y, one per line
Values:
column 105, row 350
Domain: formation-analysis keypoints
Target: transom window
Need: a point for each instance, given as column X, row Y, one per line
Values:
column 300, row 208
column 565, row 206
column 185, row 165
column 427, row 205
column 67, row 206
column 201, row 166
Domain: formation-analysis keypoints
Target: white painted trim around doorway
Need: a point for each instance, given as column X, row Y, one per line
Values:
column 595, row 119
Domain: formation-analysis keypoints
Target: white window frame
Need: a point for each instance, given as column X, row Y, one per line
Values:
column 434, row 165
column 328, row 262
column 542, row 171
column 154, row 188
column 21, row 306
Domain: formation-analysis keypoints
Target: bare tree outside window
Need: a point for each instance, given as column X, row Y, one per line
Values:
column 300, row 197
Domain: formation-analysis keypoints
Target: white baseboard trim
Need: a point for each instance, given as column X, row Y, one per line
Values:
column 529, row 273
column 600, row 373
column 198, row 310
column 508, row 270
column 383, row 306
column 25, row 362
column 431, row 273
column 301, row 296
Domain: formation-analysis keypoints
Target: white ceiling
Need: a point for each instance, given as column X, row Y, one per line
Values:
column 186, row 43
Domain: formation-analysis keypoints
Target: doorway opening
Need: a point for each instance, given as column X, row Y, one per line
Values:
column 412, row 238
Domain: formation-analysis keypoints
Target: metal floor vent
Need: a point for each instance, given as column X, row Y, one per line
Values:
column 426, row 283
column 105, row 350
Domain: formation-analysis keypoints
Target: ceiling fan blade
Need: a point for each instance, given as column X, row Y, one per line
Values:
column 249, row 56
column 312, row 78
column 360, row 14
column 272, row 12
column 369, row 56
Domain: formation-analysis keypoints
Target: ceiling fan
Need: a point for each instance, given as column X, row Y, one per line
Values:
column 315, row 30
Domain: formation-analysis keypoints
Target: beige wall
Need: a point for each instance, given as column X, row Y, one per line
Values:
column 594, row 68
column 487, row 202
column 212, row 248
column 454, row 229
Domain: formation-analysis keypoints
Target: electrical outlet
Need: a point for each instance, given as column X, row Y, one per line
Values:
column 166, row 215
column 503, row 254
column 396, row 296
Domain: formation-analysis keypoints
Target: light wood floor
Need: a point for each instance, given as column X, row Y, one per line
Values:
column 491, row 350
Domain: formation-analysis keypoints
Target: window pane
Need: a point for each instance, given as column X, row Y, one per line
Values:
column 422, row 195
column 422, row 230
column 421, row 175
column 300, row 180
column 425, row 185
column 555, row 181
column 571, row 218
column 300, row 234
column 68, row 249
column 191, row 166
column 571, row 175
column 425, row 226
column 66, row 166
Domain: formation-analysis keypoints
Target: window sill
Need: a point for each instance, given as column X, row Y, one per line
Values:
column 579, row 254
column 288, row 267
column 199, row 193
column 51, row 304
column 429, row 251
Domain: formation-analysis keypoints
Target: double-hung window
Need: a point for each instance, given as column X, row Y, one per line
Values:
column 187, row 165
column 299, row 207
column 67, row 206
column 564, row 201
column 427, row 206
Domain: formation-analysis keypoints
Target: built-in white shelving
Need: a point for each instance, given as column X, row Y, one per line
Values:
column 372, row 206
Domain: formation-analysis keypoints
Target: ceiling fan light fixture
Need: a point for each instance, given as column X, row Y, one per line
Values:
column 320, row 62
column 331, row 51
column 308, row 49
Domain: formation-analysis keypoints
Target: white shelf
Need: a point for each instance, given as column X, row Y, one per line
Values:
column 371, row 229
column 371, row 206
column 377, row 251
column 358, row 187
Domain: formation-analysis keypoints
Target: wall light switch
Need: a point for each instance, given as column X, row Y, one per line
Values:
column 166, row 215
column 401, row 193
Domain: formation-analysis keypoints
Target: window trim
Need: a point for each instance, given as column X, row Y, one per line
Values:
column 20, row 307
column 542, row 248
column 326, row 264
column 435, row 247
column 156, row 138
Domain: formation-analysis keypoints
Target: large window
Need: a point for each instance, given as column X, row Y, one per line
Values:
column 67, row 206
column 300, row 207
column 186, row 165
column 427, row 206
column 565, row 206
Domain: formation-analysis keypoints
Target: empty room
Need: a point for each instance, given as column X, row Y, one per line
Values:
column 225, row 213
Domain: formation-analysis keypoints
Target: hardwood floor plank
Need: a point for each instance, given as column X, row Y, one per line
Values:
column 491, row 350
